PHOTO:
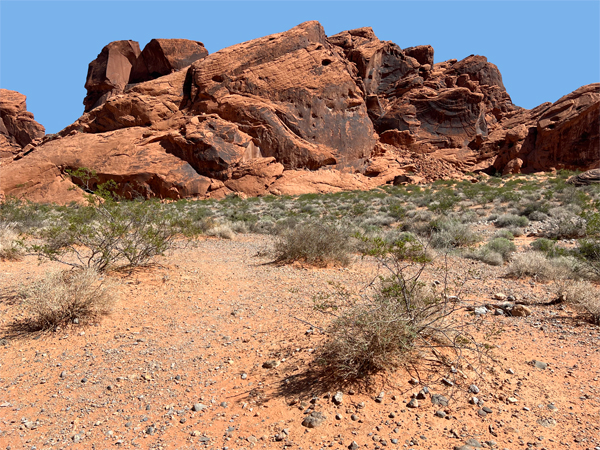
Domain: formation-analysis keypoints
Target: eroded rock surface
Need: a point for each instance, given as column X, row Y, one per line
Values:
column 291, row 113
column 18, row 128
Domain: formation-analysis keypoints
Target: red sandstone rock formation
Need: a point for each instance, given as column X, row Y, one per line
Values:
column 298, row 112
column 18, row 129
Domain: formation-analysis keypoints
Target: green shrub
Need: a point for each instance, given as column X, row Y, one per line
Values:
column 502, row 246
column 111, row 234
column 315, row 243
column 485, row 255
column 453, row 234
column 508, row 220
column 583, row 295
column 506, row 234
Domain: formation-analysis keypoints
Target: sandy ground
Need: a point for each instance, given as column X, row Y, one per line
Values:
column 198, row 328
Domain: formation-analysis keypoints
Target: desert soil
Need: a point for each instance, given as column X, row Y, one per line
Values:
column 198, row 329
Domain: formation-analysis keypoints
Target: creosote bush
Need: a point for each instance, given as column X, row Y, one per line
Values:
column 61, row 297
column 111, row 234
column 314, row 243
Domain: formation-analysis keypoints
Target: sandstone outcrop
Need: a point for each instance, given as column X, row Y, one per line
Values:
column 562, row 135
column 291, row 113
column 18, row 128
column 121, row 63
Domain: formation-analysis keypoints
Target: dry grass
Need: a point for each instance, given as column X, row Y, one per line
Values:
column 583, row 295
column 537, row 265
column 9, row 250
column 61, row 297
column 314, row 243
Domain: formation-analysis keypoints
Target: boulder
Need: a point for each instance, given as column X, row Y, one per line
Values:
column 163, row 56
column 18, row 128
column 109, row 73
column 585, row 178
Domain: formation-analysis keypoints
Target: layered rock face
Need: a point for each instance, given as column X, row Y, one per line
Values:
column 299, row 112
column 18, row 128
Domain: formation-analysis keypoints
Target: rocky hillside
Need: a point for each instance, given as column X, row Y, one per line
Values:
column 290, row 113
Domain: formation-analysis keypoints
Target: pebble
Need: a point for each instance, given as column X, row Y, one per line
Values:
column 338, row 398
column 447, row 382
column 438, row 399
column 413, row 403
column 271, row 364
column 339, row 417
column 314, row 419
column 441, row 414
column 500, row 296
column 198, row 407
column 473, row 443
column 520, row 311
column 480, row 311
column 510, row 372
column 63, row 374
column 482, row 413
column 379, row 398
column 244, row 376
column 487, row 410
column 539, row 364
column 353, row 446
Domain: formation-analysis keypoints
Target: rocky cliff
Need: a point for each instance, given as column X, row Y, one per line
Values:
column 290, row 113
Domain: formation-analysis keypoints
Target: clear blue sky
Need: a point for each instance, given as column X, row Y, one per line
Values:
column 544, row 49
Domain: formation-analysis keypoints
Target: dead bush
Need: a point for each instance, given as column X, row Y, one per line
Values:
column 397, row 316
column 61, row 297
column 314, row 243
column 9, row 248
column 583, row 295
column 537, row 265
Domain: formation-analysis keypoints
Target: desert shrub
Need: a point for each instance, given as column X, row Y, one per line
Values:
column 589, row 248
column 506, row 234
column 220, row 230
column 568, row 226
column 538, row 216
column 61, row 297
column 24, row 216
column 508, row 220
column 453, row 234
column 314, row 243
column 516, row 231
column 535, row 264
column 502, row 246
column 9, row 246
column 485, row 255
column 380, row 328
column 111, row 234
column 583, row 295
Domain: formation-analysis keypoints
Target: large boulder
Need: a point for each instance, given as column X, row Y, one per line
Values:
column 293, row 93
column 109, row 73
column 163, row 56
column 121, row 63
column 18, row 128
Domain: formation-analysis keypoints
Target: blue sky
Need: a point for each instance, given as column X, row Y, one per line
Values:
column 544, row 49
